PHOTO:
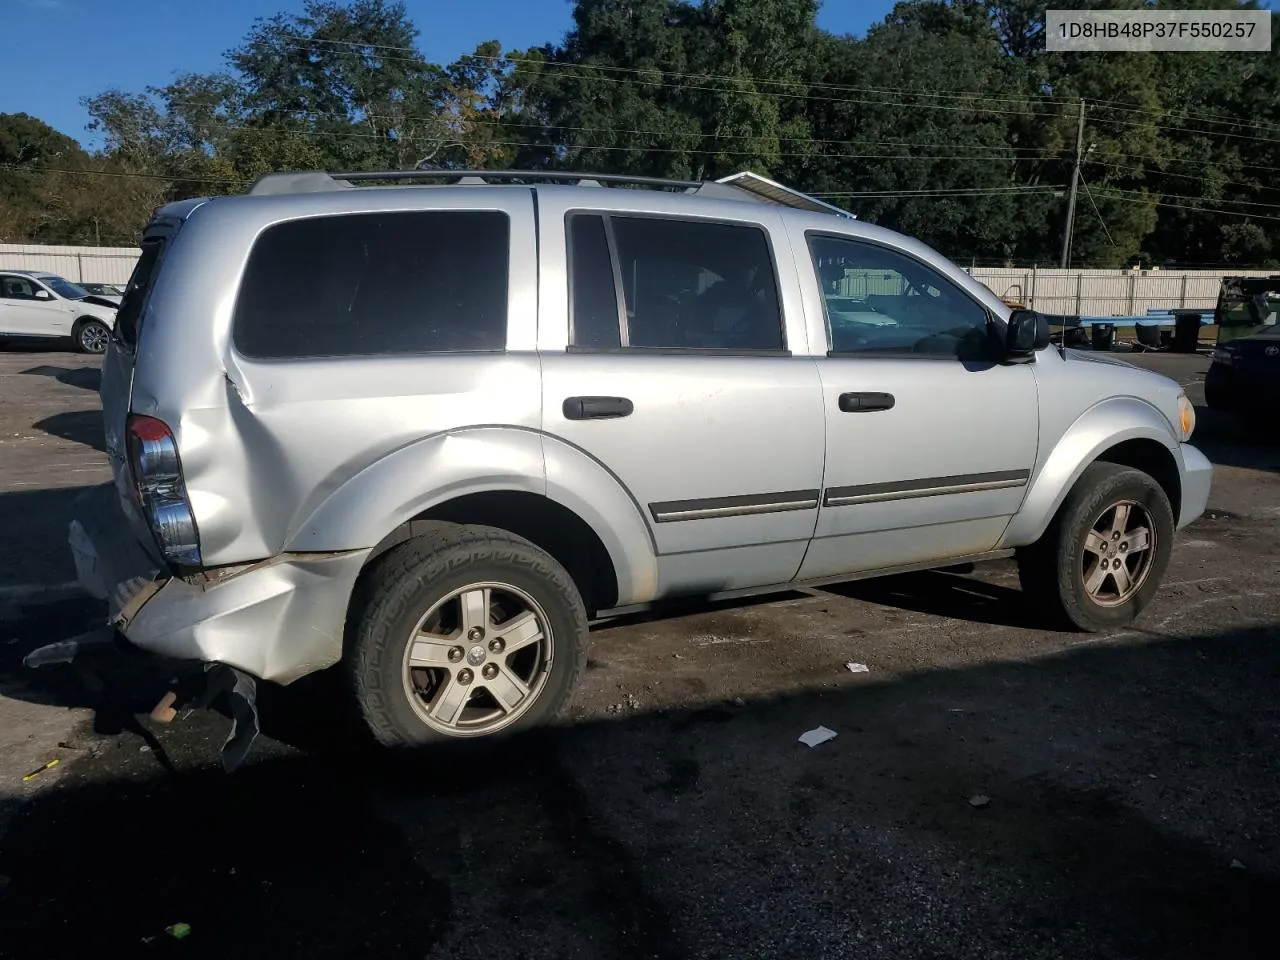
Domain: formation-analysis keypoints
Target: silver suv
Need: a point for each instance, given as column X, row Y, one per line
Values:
column 431, row 430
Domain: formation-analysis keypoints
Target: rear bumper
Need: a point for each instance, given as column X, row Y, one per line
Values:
column 278, row 619
column 1197, row 479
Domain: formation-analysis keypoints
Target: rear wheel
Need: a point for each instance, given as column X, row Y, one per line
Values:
column 91, row 335
column 1101, row 561
column 466, row 633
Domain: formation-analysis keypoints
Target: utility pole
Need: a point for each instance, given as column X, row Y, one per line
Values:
column 1071, row 198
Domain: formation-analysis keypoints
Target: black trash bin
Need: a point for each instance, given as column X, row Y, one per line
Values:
column 1104, row 335
column 1186, row 332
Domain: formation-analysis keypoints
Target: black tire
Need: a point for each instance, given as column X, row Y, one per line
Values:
column 406, row 582
column 1053, row 570
column 1217, row 392
column 91, row 336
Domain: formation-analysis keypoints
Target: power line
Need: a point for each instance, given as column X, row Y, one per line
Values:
column 1180, row 196
column 1150, row 199
column 942, row 191
column 1223, row 119
column 567, row 65
column 986, row 98
column 640, row 72
column 1018, row 153
column 1031, row 152
column 1156, row 173
column 1089, row 193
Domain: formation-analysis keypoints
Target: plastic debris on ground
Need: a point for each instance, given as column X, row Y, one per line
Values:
column 811, row 738
column 857, row 667
column 179, row 931
column 39, row 770
column 979, row 800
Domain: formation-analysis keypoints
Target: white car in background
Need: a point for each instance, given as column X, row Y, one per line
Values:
column 38, row 304
column 105, row 291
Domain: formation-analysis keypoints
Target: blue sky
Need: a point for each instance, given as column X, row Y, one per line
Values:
column 66, row 49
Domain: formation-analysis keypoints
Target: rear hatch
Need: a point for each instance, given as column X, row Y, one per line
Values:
column 118, row 362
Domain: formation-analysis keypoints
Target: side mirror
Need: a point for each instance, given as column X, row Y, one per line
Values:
column 1028, row 332
column 43, row 295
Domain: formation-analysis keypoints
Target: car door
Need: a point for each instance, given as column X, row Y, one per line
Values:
column 23, row 314
column 930, row 438
column 673, row 353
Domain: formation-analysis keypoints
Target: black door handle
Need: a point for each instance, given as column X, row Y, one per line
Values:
column 597, row 408
column 862, row 402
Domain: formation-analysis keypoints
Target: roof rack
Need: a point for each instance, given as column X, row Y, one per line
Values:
column 737, row 186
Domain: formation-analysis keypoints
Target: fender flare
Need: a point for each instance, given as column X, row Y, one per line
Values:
column 584, row 485
column 434, row 470
column 1103, row 426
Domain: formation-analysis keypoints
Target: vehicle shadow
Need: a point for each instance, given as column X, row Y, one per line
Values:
column 1227, row 443
column 1111, row 812
column 945, row 594
column 80, row 426
column 33, row 547
column 86, row 378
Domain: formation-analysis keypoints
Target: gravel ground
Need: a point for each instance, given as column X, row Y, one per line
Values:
column 1131, row 779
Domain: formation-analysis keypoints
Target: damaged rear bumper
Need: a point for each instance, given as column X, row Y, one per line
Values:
column 278, row 620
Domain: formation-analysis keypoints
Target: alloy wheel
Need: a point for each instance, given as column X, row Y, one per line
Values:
column 478, row 659
column 1119, row 550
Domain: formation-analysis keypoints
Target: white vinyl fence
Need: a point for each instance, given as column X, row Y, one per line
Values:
column 1099, row 293
column 1108, row 293
column 92, row 264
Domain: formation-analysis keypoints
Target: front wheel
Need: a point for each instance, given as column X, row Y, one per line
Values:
column 92, row 336
column 1101, row 561
column 465, row 633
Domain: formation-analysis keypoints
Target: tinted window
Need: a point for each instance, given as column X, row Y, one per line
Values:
column 593, row 304
column 376, row 284
column 135, row 292
column 691, row 284
column 880, row 301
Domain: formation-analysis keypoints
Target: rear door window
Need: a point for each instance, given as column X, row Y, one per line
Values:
column 376, row 284
column 685, row 285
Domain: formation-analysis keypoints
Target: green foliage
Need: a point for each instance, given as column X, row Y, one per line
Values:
column 948, row 121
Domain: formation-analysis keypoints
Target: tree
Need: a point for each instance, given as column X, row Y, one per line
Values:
column 347, row 78
column 949, row 121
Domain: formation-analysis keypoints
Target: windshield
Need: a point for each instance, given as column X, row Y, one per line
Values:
column 65, row 288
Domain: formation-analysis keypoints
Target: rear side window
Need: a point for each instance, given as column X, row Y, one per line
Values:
column 135, row 294
column 376, row 284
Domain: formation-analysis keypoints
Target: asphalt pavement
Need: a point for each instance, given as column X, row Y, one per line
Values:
column 995, row 789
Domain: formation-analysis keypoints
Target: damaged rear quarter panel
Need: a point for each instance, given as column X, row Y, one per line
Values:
column 264, row 443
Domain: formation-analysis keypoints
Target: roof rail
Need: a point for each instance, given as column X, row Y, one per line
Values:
column 737, row 186
column 317, row 181
column 486, row 176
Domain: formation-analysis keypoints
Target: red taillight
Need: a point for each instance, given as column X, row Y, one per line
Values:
column 160, row 491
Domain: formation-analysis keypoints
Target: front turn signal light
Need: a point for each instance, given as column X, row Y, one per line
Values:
column 1186, row 418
